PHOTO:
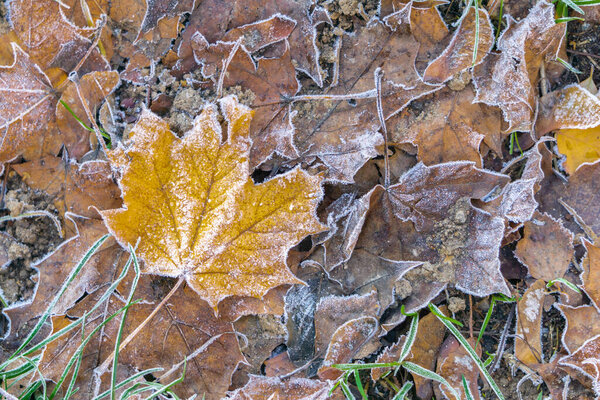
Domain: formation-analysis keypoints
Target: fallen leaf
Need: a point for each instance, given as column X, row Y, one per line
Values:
column 264, row 388
column 585, row 360
column 583, row 322
column 528, row 337
column 346, row 341
column 214, row 19
column 454, row 364
column 183, row 329
column 472, row 33
column 80, row 189
column 508, row 80
column 54, row 269
column 263, row 334
column 582, row 194
column 27, row 110
column 449, row 127
column 546, row 248
column 270, row 81
column 237, row 242
column 92, row 88
column 572, row 107
column 579, row 146
column 47, row 36
column 345, row 135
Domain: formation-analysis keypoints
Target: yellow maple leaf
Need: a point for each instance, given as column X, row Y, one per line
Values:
column 198, row 214
column 579, row 146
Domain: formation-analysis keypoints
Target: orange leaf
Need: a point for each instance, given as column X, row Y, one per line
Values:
column 579, row 146
column 197, row 213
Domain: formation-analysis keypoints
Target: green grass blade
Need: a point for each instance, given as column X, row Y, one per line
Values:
column 568, row 66
column 127, row 381
column 486, row 321
column 571, row 4
column 565, row 282
column 352, row 367
column 410, row 338
column 466, row 389
column 425, row 373
column 346, row 390
column 76, row 323
column 61, row 291
column 30, row 390
column 71, row 388
column 469, row 350
column 359, row 385
column 20, row 370
column 170, row 385
column 136, row 268
column 403, row 392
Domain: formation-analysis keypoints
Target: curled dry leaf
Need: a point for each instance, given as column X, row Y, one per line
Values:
column 459, row 55
column 508, row 80
column 528, row 337
column 92, row 88
column 197, row 213
column 546, row 248
column 263, row 388
column 450, row 127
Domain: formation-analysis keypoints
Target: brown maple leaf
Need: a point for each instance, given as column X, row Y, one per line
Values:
column 197, row 213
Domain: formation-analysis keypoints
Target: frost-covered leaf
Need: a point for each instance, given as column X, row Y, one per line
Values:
column 572, row 107
column 546, row 248
column 345, row 343
column 345, row 135
column 583, row 322
column 47, row 35
column 583, row 194
column 197, row 212
column 80, row 189
column 585, row 360
column 269, row 82
column 449, row 127
column 214, row 19
column 508, row 80
column 102, row 267
column 528, row 337
column 93, row 88
column 472, row 33
column 185, row 328
column 27, row 110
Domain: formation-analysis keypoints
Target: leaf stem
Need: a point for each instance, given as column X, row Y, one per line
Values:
column 386, row 178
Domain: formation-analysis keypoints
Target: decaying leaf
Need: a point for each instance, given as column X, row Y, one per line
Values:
column 546, row 248
column 528, row 339
column 450, row 127
column 198, row 214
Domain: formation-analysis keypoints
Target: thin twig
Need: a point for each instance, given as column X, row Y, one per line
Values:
column 502, row 343
column 141, row 326
column 583, row 53
column 386, row 176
